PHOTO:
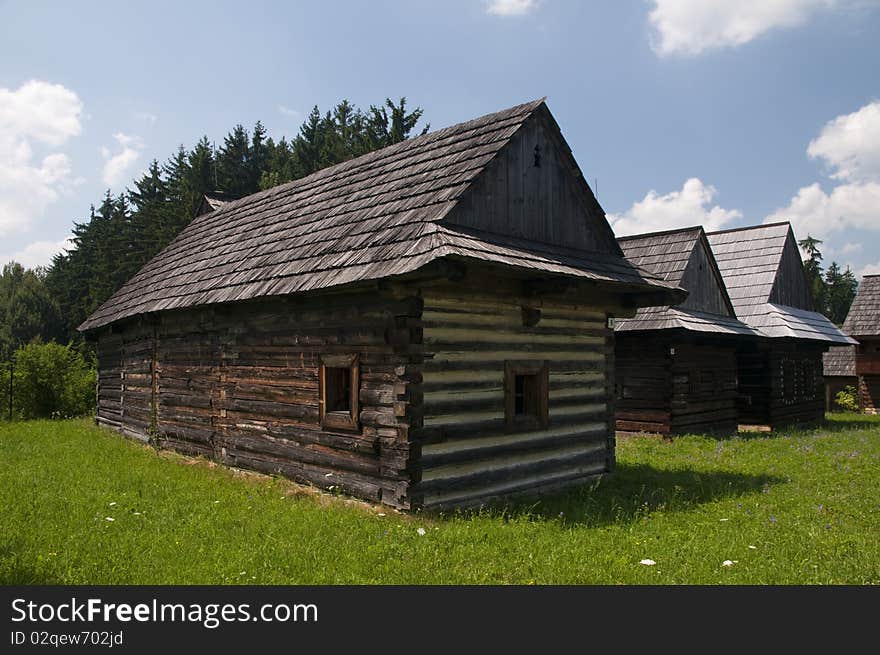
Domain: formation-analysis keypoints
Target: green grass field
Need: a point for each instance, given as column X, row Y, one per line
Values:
column 82, row 505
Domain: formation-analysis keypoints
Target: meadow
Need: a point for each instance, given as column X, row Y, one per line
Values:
column 83, row 505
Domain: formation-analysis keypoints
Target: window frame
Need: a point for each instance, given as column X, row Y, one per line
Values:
column 338, row 420
column 541, row 418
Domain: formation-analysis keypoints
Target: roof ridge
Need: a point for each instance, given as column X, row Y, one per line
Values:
column 524, row 109
column 750, row 227
column 660, row 233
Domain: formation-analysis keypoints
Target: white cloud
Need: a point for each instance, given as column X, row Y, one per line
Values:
column 116, row 166
column 850, row 248
column 689, row 27
column 36, row 114
column 815, row 212
column 685, row 208
column 38, row 253
column 850, row 145
column 511, row 7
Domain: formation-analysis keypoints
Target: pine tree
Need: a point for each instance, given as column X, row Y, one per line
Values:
column 233, row 164
column 840, row 292
column 813, row 272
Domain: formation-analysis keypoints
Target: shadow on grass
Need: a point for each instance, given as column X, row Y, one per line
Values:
column 631, row 493
column 847, row 422
column 24, row 574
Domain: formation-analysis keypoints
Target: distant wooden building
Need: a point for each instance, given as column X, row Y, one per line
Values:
column 780, row 375
column 863, row 323
column 839, row 371
column 425, row 325
column 676, row 365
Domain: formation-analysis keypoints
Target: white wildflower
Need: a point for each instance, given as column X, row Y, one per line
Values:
column 109, row 518
column 753, row 547
column 381, row 514
column 728, row 562
column 723, row 519
column 421, row 532
column 112, row 504
column 648, row 562
column 137, row 513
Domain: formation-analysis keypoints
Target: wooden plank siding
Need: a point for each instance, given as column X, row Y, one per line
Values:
column 239, row 385
column 467, row 455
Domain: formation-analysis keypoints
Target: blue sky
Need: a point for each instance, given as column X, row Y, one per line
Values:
column 684, row 111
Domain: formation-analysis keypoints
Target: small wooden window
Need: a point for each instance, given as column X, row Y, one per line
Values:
column 526, row 394
column 338, row 392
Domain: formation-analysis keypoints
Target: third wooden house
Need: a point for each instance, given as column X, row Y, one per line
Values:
column 779, row 375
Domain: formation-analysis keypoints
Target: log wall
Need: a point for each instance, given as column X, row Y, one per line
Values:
column 675, row 384
column 781, row 383
column 239, row 384
column 468, row 454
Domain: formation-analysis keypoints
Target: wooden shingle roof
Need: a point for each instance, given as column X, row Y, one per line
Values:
column 764, row 276
column 839, row 361
column 684, row 258
column 379, row 215
column 863, row 319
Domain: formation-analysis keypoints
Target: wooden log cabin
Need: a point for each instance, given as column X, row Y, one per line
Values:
column 863, row 324
column 425, row 326
column 780, row 375
column 676, row 365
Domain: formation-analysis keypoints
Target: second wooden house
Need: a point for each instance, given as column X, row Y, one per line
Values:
column 863, row 323
column 780, row 374
column 676, row 365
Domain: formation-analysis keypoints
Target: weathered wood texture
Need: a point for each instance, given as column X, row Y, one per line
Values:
column 863, row 318
column 764, row 276
column 239, row 384
column 675, row 383
column 781, row 383
column 391, row 212
column 533, row 189
column 467, row 454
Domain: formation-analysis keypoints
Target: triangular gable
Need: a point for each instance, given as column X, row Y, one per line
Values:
column 534, row 190
column 790, row 284
column 704, row 283
column 683, row 257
